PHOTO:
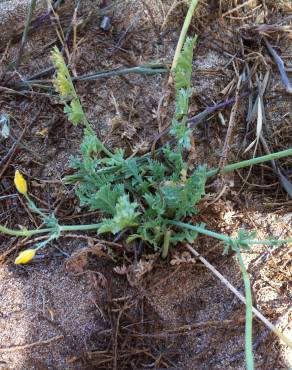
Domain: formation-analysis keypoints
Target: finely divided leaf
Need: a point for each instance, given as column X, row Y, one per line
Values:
column 90, row 145
column 106, row 198
column 183, row 70
column 125, row 216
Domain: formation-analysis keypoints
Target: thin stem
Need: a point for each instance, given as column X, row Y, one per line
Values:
column 5, row 230
column 183, row 33
column 33, row 206
column 251, row 162
column 201, row 230
column 79, row 227
column 144, row 70
column 248, row 313
column 225, row 238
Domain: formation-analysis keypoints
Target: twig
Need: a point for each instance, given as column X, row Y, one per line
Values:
column 25, row 32
column 7, row 158
column 186, row 329
column 31, row 345
column 232, row 121
column 236, row 8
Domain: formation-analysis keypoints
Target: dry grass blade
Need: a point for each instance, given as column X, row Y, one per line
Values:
column 238, row 7
column 259, row 125
column 280, row 64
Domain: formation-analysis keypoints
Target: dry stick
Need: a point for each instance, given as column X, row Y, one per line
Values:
column 280, row 65
column 240, row 296
column 170, row 10
column 231, row 125
column 238, row 7
column 148, row 8
column 186, row 329
column 31, row 345
column 7, row 158
column 25, row 32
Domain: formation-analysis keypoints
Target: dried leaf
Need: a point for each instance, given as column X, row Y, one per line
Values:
column 121, row 270
column 76, row 263
column 184, row 257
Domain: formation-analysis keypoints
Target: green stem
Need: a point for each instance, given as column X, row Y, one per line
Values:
column 79, row 227
column 248, row 297
column 202, row 230
column 225, row 238
column 33, row 206
column 165, row 246
column 183, row 33
column 90, row 130
column 248, row 313
column 250, row 162
column 12, row 232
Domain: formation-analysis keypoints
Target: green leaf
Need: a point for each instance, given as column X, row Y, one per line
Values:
column 181, row 198
column 155, row 170
column 182, row 77
column 74, row 111
column 175, row 158
column 125, row 217
column 90, row 145
column 106, row 198
column 116, row 160
column 183, row 70
column 181, row 131
column 244, row 237
column 182, row 103
column 152, row 231
column 155, row 203
column 130, row 169
column 187, row 235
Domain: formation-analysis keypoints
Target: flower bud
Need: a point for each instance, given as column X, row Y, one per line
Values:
column 20, row 183
column 25, row 256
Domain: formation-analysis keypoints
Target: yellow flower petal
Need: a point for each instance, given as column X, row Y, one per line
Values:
column 25, row 256
column 20, row 183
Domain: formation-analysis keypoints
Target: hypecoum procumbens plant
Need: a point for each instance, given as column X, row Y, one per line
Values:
column 148, row 199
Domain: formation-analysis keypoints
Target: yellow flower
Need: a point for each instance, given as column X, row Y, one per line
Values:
column 20, row 183
column 25, row 256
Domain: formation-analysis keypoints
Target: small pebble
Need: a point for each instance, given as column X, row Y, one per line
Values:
column 105, row 24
